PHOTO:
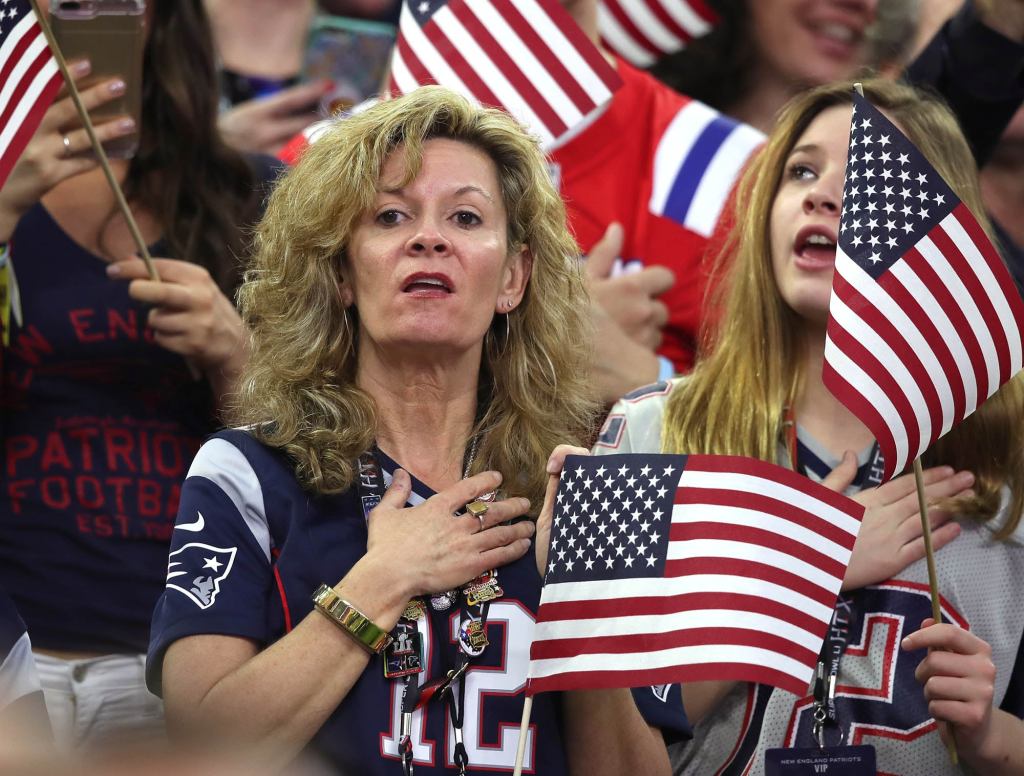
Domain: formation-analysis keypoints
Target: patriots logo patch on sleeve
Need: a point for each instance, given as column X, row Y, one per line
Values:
column 661, row 691
column 196, row 571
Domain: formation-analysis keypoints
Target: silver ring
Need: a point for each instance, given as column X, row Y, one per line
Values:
column 67, row 146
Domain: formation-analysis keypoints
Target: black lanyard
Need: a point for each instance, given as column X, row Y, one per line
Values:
column 826, row 675
column 370, row 486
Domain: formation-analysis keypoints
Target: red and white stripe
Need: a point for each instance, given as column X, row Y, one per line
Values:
column 29, row 80
column 921, row 348
column 756, row 557
column 643, row 31
column 527, row 57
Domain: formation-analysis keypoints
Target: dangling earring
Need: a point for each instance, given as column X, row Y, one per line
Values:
column 509, row 305
column 348, row 332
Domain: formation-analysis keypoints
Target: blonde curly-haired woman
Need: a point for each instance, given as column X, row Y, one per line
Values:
column 413, row 305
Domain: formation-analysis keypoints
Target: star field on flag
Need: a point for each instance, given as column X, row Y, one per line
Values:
column 924, row 318
column 669, row 568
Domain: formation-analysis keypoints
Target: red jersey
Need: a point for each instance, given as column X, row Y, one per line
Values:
column 663, row 166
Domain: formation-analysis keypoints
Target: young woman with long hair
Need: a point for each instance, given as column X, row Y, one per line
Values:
column 111, row 380
column 757, row 391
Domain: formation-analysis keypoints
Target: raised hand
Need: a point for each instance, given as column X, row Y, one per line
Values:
column 631, row 298
column 190, row 316
column 555, row 464
column 891, row 537
column 48, row 159
column 430, row 549
column 265, row 124
column 627, row 319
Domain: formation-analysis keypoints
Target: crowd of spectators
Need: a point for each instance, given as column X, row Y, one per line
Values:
column 111, row 382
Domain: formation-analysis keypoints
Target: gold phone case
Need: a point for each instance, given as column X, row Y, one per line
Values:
column 111, row 35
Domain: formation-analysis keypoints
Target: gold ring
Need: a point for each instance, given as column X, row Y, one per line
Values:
column 67, row 146
column 477, row 509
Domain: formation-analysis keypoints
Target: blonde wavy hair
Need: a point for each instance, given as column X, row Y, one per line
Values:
column 301, row 376
column 751, row 370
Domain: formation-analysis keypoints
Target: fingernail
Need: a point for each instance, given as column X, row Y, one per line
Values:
column 126, row 125
column 533, row 527
column 552, row 467
column 81, row 67
column 113, row 270
column 328, row 86
column 525, row 502
column 116, row 87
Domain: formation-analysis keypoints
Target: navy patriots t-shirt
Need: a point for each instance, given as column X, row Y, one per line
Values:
column 99, row 425
column 250, row 547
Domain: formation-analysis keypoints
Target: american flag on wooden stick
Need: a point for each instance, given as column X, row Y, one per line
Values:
column 669, row 568
column 924, row 319
column 29, row 80
column 526, row 56
column 643, row 31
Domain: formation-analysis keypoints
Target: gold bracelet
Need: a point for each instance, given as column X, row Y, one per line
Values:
column 351, row 620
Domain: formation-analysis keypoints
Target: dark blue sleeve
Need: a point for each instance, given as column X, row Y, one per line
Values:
column 1013, row 701
column 661, row 705
column 12, row 628
column 979, row 72
column 219, row 577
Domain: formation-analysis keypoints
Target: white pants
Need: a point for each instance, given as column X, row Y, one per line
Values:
column 99, row 700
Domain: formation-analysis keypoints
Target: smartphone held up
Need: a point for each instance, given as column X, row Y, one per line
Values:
column 353, row 54
column 111, row 34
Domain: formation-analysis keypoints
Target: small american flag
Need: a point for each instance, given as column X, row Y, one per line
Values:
column 526, row 56
column 924, row 317
column 673, row 568
column 642, row 31
column 29, row 80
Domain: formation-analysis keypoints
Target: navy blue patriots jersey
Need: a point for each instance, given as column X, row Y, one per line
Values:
column 661, row 705
column 248, row 550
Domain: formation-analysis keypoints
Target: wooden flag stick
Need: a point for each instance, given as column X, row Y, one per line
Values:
column 524, row 728
column 97, row 147
column 929, row 552
column 926, row 532
column 933, row 578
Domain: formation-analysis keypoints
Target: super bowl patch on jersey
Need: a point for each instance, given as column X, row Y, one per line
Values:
column 196, row 571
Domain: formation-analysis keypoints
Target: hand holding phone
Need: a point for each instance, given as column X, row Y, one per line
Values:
column 56, row 151
column 265, row 124
column 353, row 54
column 111, row 35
